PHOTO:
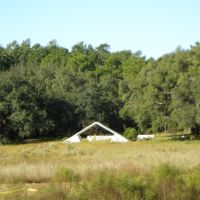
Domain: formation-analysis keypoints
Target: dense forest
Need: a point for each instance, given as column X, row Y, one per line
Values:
column 50, row 91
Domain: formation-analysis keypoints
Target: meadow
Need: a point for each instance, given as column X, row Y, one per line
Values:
column 157, row 169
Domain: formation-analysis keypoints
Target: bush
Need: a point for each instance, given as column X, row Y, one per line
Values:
column 131, row 186
column 168, row 182
column 66, row 175
column 193, row 184
column 131, row 133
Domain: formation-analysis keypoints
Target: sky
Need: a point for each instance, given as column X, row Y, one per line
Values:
column 155, row 27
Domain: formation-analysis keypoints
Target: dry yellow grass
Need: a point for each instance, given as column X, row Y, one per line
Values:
column 39, row 162
column 43, row 170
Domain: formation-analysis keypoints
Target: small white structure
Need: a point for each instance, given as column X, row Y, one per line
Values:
column 91, row 138
column 115, row 137
column 145, row 137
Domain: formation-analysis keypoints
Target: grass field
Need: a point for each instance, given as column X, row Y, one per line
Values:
column 157, row 169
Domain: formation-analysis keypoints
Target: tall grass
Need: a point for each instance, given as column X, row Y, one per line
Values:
column 161, row 183
column 101, row 170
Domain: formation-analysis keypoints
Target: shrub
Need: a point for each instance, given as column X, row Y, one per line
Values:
column 103, row 186
column 131, row 133
column 193, row 184
column 65, row 175
column 168, row 182
column 131, row 186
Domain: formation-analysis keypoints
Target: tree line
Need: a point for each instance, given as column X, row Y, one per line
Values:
column 50, row 91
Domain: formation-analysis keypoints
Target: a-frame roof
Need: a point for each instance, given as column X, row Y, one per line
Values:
column 119, row 136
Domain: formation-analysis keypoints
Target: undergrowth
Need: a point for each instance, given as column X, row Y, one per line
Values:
column 152, row 170
column 165, row 182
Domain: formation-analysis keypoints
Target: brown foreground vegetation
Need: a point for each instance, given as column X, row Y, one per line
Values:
column 157, row 169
